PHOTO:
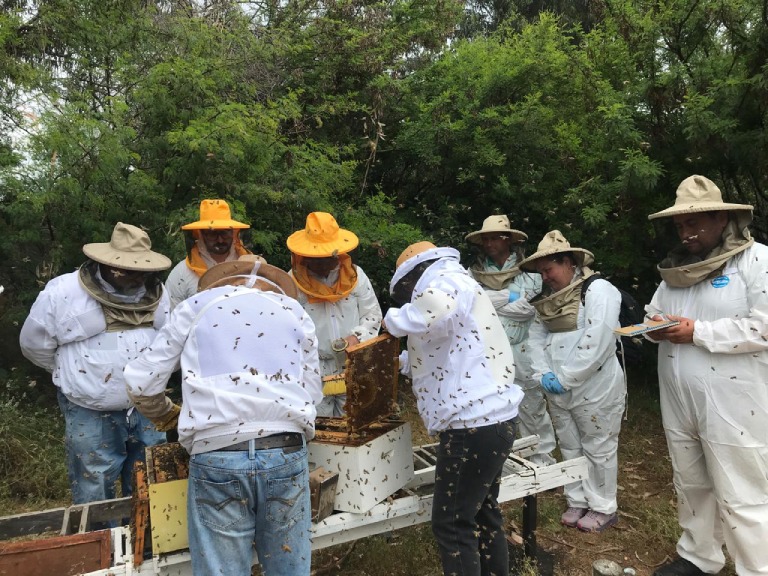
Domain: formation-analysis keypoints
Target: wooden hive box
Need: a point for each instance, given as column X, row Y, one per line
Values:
column 370, row 451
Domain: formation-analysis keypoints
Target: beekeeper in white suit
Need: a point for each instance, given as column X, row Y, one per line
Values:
column 337, row 295
column 573, row 352
column 713, row 380
column 510, row 289
column 463, row 374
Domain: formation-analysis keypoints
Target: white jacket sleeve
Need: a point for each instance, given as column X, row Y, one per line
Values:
column 598, row 342
column 740, row 335
column 368, row 309
column 148, row 374
column 310, row 369
column 528, row 285
column 38, row 335
column 537, row 343
column 520, row 310
column 652, row 310
column 499, row 298
column 426, row 311
column 180, row 284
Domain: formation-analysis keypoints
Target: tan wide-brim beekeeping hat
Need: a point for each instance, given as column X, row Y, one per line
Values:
column 496, row 224
column 128, row 249
column 555, row 243
column 698, row 194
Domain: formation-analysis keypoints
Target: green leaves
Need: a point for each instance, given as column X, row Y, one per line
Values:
column 406, row 119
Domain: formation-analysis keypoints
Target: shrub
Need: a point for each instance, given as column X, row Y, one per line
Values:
column 32, row 458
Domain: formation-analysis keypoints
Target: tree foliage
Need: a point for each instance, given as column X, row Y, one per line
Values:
column 407, row 119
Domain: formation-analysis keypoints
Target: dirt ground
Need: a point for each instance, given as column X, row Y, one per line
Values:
column 647, row 530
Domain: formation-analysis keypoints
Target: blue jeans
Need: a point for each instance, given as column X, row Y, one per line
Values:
column 103, row 446
column 466, row 518
column 238, row 499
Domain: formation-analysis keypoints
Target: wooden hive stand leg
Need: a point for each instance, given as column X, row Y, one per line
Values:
column 139, row 512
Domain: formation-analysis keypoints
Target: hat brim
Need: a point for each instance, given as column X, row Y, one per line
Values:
column 476, row 237
column 584, row 257
column 231, row 272
column 299, row 244
column 144, row 261
column 698, row 207
column 215, row 225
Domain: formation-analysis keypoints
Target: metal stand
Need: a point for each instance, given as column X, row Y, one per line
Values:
column 522, row 558
column 529, row 526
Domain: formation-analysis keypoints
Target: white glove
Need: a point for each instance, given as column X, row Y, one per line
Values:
column 405, row 363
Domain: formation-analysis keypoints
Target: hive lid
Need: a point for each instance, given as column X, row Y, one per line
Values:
column 371, row 379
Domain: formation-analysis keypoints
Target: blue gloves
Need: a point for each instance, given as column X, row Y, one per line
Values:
column 551, row 384
column 513, row 296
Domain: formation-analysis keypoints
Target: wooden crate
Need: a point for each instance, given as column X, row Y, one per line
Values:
column 61, row 555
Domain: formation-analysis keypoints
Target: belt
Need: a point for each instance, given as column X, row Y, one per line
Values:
column 286, row 440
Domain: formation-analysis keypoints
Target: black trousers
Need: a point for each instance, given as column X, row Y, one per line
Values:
column 466, row 518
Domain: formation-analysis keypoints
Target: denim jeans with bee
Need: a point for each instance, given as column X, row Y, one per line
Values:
column 241, row 501
column 466, row 518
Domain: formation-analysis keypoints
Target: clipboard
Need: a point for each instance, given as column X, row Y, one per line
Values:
column 647, row 326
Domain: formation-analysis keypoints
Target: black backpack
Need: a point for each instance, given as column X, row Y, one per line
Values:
column 630, row 313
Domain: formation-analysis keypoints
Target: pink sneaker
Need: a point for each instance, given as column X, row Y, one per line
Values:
column 572, row 516
column 596, row 521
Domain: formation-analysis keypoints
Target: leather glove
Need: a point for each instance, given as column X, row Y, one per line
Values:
column 551, row 384
column 168, row 421
column 513, row 296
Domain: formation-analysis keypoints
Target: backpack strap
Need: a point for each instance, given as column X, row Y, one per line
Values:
column 586, row 283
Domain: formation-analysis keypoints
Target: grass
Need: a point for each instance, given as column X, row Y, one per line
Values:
column 33, row 474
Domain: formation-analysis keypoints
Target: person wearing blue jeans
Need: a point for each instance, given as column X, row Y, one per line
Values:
column 83, row 328
column 463, row 372
column 251, row 380
column 102, row 446
column 266, row 488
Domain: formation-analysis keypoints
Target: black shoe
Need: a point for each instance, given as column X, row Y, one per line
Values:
column 679, row 567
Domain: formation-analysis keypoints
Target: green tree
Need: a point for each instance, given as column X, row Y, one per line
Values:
column 526, row 124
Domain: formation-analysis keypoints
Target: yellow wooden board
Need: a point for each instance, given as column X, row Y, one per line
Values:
column 168, row 516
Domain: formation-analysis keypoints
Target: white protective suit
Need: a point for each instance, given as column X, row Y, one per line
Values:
column 233, row 393
column 358, row 313
column 714, row 407
column 182, row 283
column 66, row 333
column 517, row 317
column 587, row 417
column 458, row 355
